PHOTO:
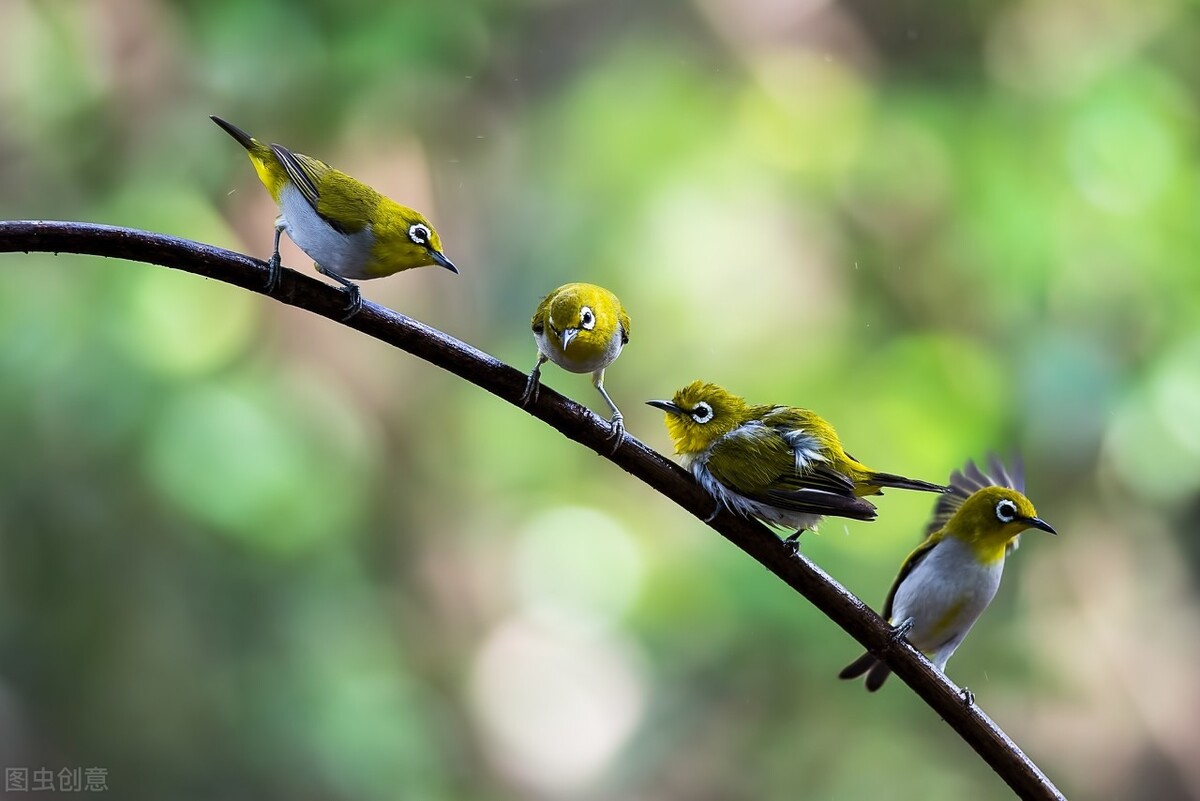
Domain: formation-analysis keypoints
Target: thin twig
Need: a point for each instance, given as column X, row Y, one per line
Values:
column 574, row 422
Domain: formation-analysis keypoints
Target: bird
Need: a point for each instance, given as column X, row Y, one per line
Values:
column 948, row 581
column 582, row 328
column 782, row 465
column 350, row 230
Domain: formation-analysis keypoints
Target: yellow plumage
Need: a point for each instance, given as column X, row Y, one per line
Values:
column 350, row 230
column 781, row 464
column 950, row 579
column 582, row 328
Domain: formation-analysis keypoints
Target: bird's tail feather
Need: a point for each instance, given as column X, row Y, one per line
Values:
column 877, row 676
column 244, row 139
column 858, row 666
column 900, row 482
column 876, row 670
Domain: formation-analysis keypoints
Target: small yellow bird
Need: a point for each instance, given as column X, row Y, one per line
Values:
column 349, row 229
column 949, row 580
column 780, row 464
column 581, row 328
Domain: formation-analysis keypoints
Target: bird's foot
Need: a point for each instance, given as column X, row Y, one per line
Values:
column 618, row 432
column 792, row 542
column 354, row 305
column 274, row 272
column 903, row 628
column 716, row 511
column 532, row 385
column 967, row 696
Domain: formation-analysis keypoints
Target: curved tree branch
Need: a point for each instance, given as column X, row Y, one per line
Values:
column 574, row 422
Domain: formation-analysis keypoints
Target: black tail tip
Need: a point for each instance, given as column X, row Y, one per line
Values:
column 858, row 667
column 877, row 676
column 244, row 139
column 875, row 670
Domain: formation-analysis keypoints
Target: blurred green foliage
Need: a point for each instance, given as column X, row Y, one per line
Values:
column 248, row 554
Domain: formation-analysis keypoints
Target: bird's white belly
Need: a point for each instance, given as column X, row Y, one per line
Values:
column 573, row 360
column 944, row 595
column 344, row 254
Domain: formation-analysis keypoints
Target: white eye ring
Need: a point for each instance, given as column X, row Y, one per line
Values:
column 419, row 233
column 702, row 413
column 587, row 318
column 1006, row 511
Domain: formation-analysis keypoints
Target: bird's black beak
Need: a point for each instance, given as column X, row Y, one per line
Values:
column 1037, row 522
column 440, row 259
column 666, row 406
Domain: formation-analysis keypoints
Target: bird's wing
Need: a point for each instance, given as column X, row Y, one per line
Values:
column 341, row 201
column 538, row 323
column 819, row 476
column 623, row 319
column 811, row 464
column 756, row 462
column 1013, row 479
column 819, row 502
column 304, row 171
column 910, row 563
column 965, row 482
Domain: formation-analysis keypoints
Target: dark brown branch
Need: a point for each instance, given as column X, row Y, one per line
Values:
column 574, row 422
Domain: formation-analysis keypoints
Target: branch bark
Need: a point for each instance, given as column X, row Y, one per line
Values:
column 576, row 423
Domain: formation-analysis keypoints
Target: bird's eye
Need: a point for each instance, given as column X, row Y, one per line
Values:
column 419, row 233
column 1006, row 511
column 587, row 319
column 702, row 412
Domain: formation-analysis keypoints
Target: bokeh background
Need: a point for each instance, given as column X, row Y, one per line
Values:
column 246, row 553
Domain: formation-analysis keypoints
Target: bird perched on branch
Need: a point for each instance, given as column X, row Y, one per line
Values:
column 581, row 328
column 780, row 464
column 349, row 229
column 949, row 580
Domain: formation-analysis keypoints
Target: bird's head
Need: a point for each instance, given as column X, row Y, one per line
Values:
column 409, row 239
column 992, row 517
column 580, row 318
column 700, row 414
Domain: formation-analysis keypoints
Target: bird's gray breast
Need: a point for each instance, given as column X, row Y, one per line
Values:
column 945, row 593
column 344, row 254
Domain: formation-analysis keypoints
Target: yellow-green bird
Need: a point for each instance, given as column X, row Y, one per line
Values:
column 349, row 229
column 581, row 328
column 949, row 580
column 780, row 464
